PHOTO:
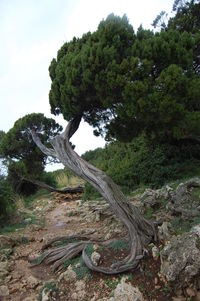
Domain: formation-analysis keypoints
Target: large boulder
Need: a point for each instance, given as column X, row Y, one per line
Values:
column 180, row 260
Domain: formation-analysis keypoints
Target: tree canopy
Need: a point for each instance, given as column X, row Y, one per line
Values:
column 25, row 158
column 124, row 83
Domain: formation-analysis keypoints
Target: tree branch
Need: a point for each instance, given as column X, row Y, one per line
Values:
column 47, row 151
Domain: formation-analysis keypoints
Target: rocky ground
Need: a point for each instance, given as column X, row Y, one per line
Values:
column 169, row 271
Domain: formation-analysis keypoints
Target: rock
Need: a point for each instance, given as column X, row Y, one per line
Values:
column 190, row 292
column 164, row 231
column 32, row 282
column 95, row 258
column 68, row 275
column 126, row 292
column 80, row 292
column 196, row 230
column 4, row 291
column 46, row 294
column 28, row 220
column 152, row 198
column 180, row 260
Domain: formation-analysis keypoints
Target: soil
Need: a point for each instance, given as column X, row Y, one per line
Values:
column 59, row 221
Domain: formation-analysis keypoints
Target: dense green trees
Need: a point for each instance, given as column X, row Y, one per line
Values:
column 24, row 157
column 125, row 85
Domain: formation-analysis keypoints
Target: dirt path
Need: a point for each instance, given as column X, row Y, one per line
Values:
column 23, row 281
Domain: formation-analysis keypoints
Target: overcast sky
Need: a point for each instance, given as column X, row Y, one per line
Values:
column 31, row 32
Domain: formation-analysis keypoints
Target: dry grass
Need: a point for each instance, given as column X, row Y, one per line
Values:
column 65, row 180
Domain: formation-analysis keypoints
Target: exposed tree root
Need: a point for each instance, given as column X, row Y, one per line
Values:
column 141, row 231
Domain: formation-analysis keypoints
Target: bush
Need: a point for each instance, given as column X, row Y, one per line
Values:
column 49, row 178
column 142, row 162
column 6, row 199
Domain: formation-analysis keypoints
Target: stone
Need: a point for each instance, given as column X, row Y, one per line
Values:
column 4, row 291
column 126, row 292
column 28, row 220
column 46, row 294
column 164, row 231
column 68, row 275
column 32, row 282
column 95, row 258
column 190, row 292
column 196, row 230
column 180, row 260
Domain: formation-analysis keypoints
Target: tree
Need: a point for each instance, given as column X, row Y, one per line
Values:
column 122, row 84
column 25, row 159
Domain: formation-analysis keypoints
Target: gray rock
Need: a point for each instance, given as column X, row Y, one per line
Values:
column 46, row 294
column 126, row 292
column 68, row 275
column 196, row 230
column 4, row 291
column 164, row 231
column 180, row 260
column 95, row 258
column 32, row 282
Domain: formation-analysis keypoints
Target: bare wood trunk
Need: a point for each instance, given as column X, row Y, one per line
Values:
column 78, row 189
column 141, row 231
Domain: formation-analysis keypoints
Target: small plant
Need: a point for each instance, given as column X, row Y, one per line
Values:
column 89, row 250
column 72, row 261
column 119, row 244
column 71, row 213
column 112, row 282
column 49, row 286
column 25, row 240
column 38, row 260
column 148, row 213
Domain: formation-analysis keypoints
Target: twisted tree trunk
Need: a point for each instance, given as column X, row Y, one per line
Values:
column 141, row 231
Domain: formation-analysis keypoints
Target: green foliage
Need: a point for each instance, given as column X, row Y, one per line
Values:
column 6, row 199
column 90, row 192
column 49, row 286
column 12, row 227
column 25, row 158
column 119, row 245
column 143, row 163
column 181, row 225
column 124, row 84
column 29, row 200
column 89, row 250
column 149, row 213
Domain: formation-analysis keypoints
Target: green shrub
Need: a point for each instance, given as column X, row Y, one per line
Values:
column 144, row 162
column 6, row 199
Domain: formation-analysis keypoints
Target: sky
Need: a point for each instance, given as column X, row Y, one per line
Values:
column 31, row 33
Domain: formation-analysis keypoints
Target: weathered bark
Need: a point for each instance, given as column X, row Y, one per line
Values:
column 78, row 189
column 141, row 231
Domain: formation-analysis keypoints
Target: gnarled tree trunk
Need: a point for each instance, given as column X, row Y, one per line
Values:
column 140, row 230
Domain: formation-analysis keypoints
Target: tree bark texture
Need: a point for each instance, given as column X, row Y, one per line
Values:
column 72, row 190
column 141, row 231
